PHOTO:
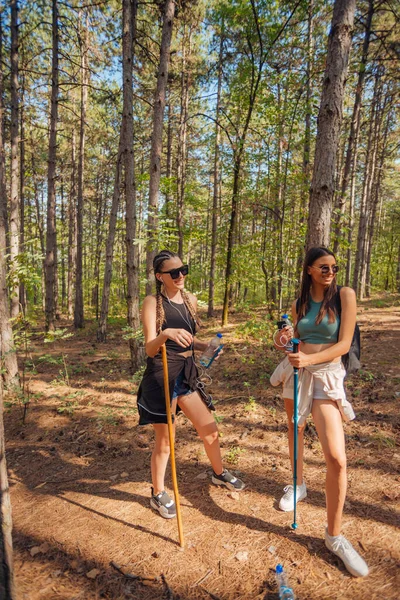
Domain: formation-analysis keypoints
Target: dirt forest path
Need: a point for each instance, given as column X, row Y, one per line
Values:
column 80, row 477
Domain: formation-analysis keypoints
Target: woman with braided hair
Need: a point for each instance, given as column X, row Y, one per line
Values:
column 170, row 317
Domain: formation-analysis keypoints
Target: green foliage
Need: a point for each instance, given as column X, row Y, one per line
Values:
column 107, row 416
column 257, row 328
column 50, row 360
column 232, row 456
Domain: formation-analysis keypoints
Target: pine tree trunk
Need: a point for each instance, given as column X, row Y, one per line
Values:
column 370, row 162
column 216, row 179
column 99, row 243
column 355, row 124
column 307, row 134
column 14, row 228
column 62, row 238
column 79, row 322
column 105, row 300
column 156, row 140
column 132, row 247
column 72, row 231
column 182, row 144
column 7, row 589
column 22, row 290
column 329, row 124
column 169, row 195
column 7, row 344
column 51, row 239
column 375, row 193
column 349, row 260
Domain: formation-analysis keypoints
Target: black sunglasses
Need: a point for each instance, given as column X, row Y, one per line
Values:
column 325, row 269
column 184, row 269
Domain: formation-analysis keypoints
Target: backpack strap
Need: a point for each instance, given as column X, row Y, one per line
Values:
column 338, row 302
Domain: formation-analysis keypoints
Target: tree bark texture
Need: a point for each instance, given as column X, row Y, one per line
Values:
column 7, row 588
column 78, row 310
column 105, row 299
column 216, row 178
column 7, row 351
column 72, row 231
column 369, row 170
column 169, row 195
column 307, row 134
column 354, row 126
column 329, row 124
column 132, row 247
column 51, row 236
column 156, row 140
column 22, row 290
column 182, row 141
column 14, row 227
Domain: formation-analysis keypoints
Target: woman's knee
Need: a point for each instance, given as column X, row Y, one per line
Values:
column 300, row 428
column 336, row 463
column 209, row 434
column 162, row 446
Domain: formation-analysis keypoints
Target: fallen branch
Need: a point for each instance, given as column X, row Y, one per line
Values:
column 203, row 578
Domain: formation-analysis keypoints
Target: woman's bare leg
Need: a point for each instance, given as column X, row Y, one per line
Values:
column 197, row 412
column 328, row 422
column 160, row 454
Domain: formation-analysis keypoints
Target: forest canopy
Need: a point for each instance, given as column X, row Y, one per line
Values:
column 82, row 92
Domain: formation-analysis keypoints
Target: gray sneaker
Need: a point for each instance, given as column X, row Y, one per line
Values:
column 228, row 480
column 345, row 551
column 163, row 503
column 287, row 501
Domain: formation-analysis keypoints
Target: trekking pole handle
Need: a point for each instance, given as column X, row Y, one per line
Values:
column 295, row 343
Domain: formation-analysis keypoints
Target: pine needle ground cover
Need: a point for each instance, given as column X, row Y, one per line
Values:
column 80, row 477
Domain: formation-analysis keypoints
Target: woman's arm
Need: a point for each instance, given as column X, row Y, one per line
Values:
column 153, row 342
column 346, row 332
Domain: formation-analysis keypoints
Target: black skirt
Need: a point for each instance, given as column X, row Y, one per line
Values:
column 151, row 397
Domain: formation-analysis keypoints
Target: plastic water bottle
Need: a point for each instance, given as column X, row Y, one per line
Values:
column 286, row 322
column 212, row 350
column 285, row 592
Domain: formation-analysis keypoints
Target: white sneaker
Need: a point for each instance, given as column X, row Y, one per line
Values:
column 287, row 501
column 345, row 551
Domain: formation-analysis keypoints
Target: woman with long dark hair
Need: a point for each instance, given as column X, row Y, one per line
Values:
column 170, row 317
column 325, row 337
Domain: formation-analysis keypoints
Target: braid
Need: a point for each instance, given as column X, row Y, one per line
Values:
column 160, row 314
column 190, row 307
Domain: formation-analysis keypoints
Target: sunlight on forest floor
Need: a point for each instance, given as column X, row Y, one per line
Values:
column 80, row 469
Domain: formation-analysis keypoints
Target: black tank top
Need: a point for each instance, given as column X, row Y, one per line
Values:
column 177, row 316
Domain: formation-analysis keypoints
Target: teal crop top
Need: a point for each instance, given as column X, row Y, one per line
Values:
column 324, row 333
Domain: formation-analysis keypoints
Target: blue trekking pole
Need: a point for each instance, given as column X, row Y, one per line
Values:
column 295, row 343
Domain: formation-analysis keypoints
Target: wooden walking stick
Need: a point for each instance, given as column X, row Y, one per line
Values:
column 171, row 444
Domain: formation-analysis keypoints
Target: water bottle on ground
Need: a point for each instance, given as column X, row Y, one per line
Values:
column 285, row 591
column 212, row 350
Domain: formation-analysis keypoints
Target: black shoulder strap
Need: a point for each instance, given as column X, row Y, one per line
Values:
column 338, row 302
